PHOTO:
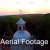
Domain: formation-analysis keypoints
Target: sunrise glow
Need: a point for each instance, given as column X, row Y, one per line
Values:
column 8, row 7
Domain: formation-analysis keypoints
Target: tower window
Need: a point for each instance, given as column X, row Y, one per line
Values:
column 20, row 28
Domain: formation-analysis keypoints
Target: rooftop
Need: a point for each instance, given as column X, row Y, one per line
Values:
column 21, row 21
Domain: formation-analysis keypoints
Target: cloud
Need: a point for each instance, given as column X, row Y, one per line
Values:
column 31, row 2
column 17, row 3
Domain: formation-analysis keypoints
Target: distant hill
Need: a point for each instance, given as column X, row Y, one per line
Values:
column 23, row 15
column 3, row 16
column 27, row 15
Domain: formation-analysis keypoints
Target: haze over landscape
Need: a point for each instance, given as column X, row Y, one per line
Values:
column 10, row 7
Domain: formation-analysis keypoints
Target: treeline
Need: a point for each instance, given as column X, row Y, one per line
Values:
column 8, row 27
column 38, row 26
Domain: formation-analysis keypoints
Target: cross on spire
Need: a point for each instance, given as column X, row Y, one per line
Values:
column 20, row 11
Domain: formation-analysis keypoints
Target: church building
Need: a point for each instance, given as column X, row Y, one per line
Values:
column 21, row 34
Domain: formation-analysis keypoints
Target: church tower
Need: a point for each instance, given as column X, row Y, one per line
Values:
column 21, row 33
column 21, row 25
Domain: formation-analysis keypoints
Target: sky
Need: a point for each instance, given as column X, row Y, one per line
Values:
column 12, row 7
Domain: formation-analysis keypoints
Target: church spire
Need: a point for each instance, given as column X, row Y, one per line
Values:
column 20, row 12
column 21, row 23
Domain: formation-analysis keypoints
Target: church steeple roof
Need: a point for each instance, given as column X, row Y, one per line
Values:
column 21, row 21
column 21, row 33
